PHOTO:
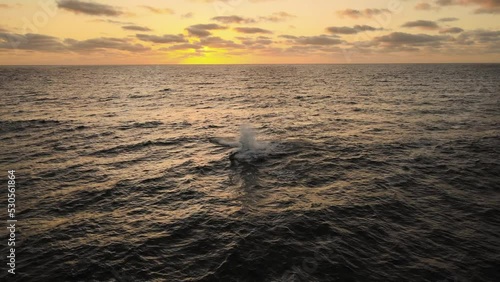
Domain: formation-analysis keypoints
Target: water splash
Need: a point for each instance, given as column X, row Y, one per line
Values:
column 247, row 138
column 246, row 141
column 249, row 149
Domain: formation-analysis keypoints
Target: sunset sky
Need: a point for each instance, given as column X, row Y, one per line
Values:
column 248, row 31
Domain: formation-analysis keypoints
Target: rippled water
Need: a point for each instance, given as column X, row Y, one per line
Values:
column 366, row 172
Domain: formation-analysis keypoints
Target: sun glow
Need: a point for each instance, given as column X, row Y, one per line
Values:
column 208, row 55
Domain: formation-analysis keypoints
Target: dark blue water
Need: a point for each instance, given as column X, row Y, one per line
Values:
column 357, row 172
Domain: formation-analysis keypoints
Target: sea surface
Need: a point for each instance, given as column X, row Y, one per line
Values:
column 253, row 172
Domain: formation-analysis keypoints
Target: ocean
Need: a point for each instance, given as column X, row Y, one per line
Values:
column 253, row 172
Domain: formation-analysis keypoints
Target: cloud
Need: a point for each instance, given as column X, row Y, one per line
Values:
column 155, row 10
column 481, row 36
column 424, row 6
column 261, row 40
column 350, row 30
column 89, row 8
column 366, row 13
column 448, row 19
column 202, row 30
column 136, row 28
column 97, row 44
column 429, row 25
column 30, row 41
column 286, row 36
column 187, row 15
column 318, row 40
column 485, row 6
column 277, row 17
column 217, row 42
column 233, row 19
column 45, row 43
column 167, row 38
column 111, row 22
column 487, row 35
column 480, row 41
column 314, row 40
column 185, row 46
column 252, row 30
column 198, row 32
column 451, row 30
column 8, row 6
column 401, row 38
column 495, row 10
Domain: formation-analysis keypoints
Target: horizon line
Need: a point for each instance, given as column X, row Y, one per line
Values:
column 250, row 64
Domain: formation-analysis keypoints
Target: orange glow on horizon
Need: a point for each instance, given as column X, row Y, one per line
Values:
column 247, row 32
